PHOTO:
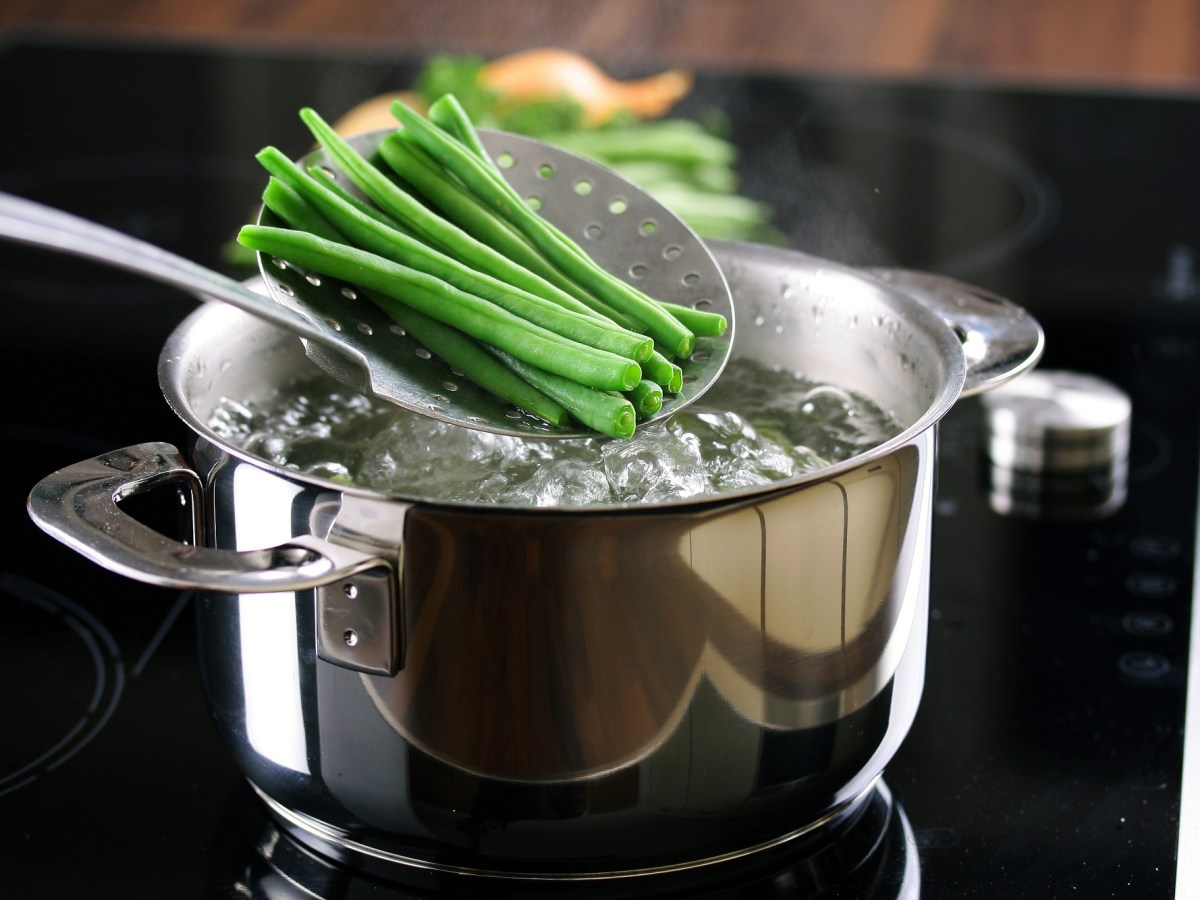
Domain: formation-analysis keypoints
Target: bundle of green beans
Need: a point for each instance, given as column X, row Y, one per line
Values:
column 452, row 253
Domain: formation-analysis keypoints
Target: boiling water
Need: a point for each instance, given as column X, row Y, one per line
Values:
column 754, row 426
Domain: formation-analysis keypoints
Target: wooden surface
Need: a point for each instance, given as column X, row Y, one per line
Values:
column 1143, row 44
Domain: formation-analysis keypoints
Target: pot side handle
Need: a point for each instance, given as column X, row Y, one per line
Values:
column 1000, row 340
column 78, row 505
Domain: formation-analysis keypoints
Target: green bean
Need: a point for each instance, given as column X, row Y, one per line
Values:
column 326, row 178
column 675, row 383
column 702, row 322
column 679, row 141
column 474, row 362
column 289, row 205
column 474, row 316
column 568, row 257
column 414, row 166
column 370, row 234
column 454, row 348
column 606, row 412
column 458, row 205
column 444, row 235
column 447, row 113
column 662, row 371
column 451, row 117
column 646, row 397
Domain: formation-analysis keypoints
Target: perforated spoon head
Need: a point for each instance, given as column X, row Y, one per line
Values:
column 623, row 228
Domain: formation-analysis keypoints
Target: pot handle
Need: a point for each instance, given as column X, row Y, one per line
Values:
column 78, row 506
column 1000, row 340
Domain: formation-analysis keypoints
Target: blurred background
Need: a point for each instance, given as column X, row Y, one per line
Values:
column 1135, row 43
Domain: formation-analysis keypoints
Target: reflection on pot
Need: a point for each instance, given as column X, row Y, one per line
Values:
column 519, row 667
column 543, row 648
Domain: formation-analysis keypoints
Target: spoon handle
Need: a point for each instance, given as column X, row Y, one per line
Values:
column 27, row 222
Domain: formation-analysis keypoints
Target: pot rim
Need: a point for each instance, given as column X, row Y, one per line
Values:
column 916, row 314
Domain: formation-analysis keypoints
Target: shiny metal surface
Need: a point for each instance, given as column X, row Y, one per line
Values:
column 592, row 692
column 355, row 588
column 78, row 505
column 1000, row 340
column 1057, row 422
column 586, row 694
column 32, row 223
column 581, row 692
column 307, row 829
column 1058, row 443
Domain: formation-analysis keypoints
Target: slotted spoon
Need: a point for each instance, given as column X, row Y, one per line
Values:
column 624, row 229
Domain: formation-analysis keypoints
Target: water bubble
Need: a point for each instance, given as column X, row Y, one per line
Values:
column 757, row 425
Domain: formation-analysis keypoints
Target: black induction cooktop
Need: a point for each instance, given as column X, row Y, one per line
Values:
column 1050, row 756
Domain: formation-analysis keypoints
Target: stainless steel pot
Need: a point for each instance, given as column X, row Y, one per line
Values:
column 566, row 693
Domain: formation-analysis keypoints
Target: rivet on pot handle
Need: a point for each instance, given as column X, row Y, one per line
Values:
column 355, row 590
column 999, row 339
